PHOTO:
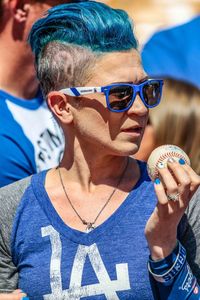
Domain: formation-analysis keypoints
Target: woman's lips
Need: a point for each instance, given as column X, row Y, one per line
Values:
column 136, row 131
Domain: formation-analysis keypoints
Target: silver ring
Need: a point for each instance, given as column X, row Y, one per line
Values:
column 173, row 197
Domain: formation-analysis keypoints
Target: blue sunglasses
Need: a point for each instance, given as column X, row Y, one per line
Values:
column 120, row 96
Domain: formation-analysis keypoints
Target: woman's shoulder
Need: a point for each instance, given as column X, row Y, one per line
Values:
column 144, row 187
column 11, row 193
column 144, row 176
column 10, row 197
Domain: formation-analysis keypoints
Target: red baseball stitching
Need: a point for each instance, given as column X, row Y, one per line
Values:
column 167, row 155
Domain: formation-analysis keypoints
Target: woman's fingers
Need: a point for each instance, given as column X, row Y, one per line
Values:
column 168, row 181
column 174, row 189
column 194, row 177
column 182, row 181
column 166, row 207
column 179, row 180
column 160, row 192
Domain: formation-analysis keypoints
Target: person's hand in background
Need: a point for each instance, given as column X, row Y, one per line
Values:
column 16, row 295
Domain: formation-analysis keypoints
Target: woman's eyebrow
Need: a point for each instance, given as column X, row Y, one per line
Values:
column 143, row 79
column 131, row 82
column 121, row 82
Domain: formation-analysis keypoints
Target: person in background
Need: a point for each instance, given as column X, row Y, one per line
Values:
column 30, row 140
column 177, row 119
column 174, row 53
column 77, row 231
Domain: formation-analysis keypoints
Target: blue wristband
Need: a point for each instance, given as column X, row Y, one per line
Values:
column 165, row 270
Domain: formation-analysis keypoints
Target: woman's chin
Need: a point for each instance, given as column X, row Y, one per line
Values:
column 128, row 151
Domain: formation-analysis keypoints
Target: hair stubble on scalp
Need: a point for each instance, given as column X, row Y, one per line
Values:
column 72, row 37
column 62, row 65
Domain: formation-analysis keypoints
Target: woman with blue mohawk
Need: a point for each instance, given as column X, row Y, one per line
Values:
column 85, row 229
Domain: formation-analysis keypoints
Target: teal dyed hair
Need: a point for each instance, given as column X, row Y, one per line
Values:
column 69, row 40
column 88, row 24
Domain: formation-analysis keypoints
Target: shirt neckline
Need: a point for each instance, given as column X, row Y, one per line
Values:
column 37, row 183
column 33, row 103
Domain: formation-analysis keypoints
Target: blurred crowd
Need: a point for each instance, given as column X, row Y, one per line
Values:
column 152, row 15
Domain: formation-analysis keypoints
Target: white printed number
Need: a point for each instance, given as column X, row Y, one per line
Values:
column 104, row 286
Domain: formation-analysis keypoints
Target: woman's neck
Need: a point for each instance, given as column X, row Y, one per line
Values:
column 93, row 171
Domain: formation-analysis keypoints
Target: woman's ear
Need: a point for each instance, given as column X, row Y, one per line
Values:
column 59, row 105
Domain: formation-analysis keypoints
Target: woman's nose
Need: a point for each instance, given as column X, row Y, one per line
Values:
column 138, row 107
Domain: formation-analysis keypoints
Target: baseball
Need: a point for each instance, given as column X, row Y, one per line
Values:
column 159, row 157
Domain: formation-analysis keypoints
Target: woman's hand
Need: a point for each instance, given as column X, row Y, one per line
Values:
column 16, row 295
column 161, row 228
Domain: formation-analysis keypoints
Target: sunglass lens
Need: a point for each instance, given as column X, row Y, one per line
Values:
column 152, row 93
column 120, row 97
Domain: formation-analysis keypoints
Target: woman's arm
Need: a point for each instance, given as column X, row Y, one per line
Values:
column 10, row 197
column 169, row 271
column 172, row 278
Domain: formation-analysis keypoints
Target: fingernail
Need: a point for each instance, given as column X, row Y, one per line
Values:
column 181, row 161
column 171, row 160
column 157, row 181
column 160, row 165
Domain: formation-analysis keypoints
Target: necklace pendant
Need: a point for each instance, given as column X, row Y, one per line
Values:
column 89, row 227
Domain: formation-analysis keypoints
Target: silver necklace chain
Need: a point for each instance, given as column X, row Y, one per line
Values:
column 90, row 225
